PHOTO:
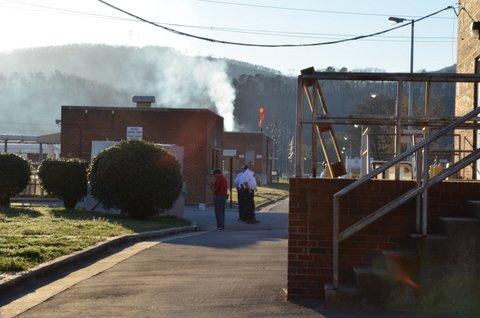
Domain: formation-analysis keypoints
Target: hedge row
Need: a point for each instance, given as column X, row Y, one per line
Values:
column 136, row 177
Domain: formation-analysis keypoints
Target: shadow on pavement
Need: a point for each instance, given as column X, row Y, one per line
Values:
column 273, row 226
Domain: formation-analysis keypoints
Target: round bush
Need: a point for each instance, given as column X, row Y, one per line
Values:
column 14, row 176
column 136, row 177
column 66, row 178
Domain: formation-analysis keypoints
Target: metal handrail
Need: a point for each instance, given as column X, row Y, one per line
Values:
column 407, row 153
column 338, row 237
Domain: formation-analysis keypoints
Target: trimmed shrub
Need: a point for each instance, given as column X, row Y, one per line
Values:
column 65, row 178
column 14, row 176
column 136, row 177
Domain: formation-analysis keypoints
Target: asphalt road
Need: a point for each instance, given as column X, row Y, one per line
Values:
column 238, row 272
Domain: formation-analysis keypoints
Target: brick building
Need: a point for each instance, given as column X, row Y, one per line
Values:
column 256, row 147
column 199, row 131
column 468, row 61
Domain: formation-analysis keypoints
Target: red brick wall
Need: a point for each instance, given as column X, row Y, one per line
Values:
column 260, row 143
column 310, row 225
column 197, row 130
column 468, row 50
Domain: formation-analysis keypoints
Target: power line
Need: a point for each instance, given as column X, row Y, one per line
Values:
column 266, row 32
column 285, row 33
column 212, row 40
column 309, row 10
column 61, row 10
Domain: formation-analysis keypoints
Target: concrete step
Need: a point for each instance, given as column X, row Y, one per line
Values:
column 373, row 284
column 473, row 207
column 454, row 227
column 455, row 251
column 369, row 277
column 345, row 297
column 405, row 254
column 431, row 247
column 434, row 239
column 391, row 282
column 400, row 264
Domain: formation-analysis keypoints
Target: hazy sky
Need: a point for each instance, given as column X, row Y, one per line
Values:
column 29, row 23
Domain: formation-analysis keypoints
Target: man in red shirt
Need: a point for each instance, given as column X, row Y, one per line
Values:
column 220, row 196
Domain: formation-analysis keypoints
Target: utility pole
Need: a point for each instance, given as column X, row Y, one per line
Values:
column 410, row 93
column 412, row 36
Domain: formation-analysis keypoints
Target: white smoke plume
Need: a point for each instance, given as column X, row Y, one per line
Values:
column 107, row 76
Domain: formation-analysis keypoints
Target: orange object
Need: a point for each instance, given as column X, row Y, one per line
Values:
column 261, row 115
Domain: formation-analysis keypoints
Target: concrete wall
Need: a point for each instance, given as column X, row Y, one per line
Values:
column 197, row 130
column 468, row 51
column 259, row 143
column 310, row 225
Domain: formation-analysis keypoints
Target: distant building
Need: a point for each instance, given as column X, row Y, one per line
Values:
column 33, row 148
column 199, row 131
column 256, row 147
column 468, row 61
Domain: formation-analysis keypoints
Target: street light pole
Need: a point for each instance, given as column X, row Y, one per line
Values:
column 412, row 36
column 410, row 95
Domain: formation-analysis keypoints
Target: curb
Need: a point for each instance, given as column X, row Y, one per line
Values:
column 265, row 204
column 43, row 270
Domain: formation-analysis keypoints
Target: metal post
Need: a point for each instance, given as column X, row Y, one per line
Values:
column 313, row 104
column 398, row 127
column 314, row 151
column 364, row 160
column 5, row 146
column 410, row 96
column 299, row 132
column 335, row 241
column 425, row 192
column 425, row 166
column 231, row 182
column 419, row 177
column 40, row 152
column 411, row 45
column 350, row 148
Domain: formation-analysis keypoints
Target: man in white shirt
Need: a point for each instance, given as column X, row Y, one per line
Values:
column 241, row 194
column 249, row 183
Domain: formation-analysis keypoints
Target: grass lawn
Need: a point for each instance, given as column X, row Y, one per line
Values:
column 265, row 194
column 30, row 236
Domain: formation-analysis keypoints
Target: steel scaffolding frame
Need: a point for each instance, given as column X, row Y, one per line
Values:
column 309, row 89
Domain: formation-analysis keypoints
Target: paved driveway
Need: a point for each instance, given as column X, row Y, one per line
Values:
column 238, row 272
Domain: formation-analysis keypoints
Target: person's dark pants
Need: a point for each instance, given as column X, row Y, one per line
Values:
column 219, row 202
column 242, row 198
column 250, row 205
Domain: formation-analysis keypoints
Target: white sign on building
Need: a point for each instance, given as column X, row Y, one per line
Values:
column 229, row 152
column 134, row 133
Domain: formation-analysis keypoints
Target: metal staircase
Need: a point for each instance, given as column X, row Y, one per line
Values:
column 397, row 279
column 420, row 150
column 365, row 276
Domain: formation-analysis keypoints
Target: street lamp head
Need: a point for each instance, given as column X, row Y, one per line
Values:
column 396, row 20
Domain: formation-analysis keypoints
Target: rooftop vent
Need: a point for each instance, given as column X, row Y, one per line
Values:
column 143, row 101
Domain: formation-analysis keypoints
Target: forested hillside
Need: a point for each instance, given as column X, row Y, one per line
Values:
column 35, row 82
